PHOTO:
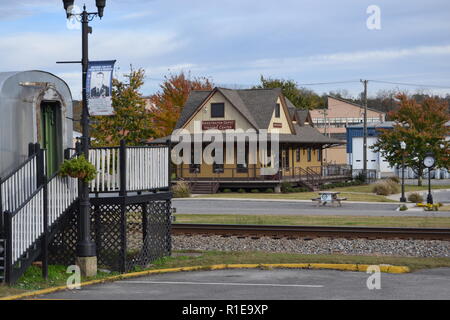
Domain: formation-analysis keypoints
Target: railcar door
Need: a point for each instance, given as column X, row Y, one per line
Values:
column 49, row 136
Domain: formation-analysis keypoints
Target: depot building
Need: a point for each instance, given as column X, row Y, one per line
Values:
column 262, row 111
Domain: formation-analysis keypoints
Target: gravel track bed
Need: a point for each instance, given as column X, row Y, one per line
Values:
column 412, row 248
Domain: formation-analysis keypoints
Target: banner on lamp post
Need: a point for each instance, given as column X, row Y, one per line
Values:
column 99, row 87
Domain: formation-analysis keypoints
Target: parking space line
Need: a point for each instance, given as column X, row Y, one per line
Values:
column 224, row 283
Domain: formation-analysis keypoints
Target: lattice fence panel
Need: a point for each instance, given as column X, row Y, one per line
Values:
column 148, row 233
column 125, row 239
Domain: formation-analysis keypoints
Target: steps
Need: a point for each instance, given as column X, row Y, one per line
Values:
column 309, row 185
column 2, row 260
column 204, row 187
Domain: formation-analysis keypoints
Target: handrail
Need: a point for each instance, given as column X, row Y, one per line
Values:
column 20, row 183
column 31, row 220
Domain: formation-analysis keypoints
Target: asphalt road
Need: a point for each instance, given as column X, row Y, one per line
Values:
column 268, row 285
column 284, row 207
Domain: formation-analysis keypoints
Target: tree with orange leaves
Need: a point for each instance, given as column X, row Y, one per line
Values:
column 131, row 120
column 167, row 104
column 422, row 127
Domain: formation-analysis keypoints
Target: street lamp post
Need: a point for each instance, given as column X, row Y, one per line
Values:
column 86, row 251
column 429, row 161
column 403, row 147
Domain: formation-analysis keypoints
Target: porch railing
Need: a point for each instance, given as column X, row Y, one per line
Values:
column 20, row 184
column 27, row 225
column 253, row 173
column 130, row 169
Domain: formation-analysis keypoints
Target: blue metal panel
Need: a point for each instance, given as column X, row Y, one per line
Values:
column 354, row 132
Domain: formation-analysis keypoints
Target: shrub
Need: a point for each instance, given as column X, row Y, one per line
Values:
column 286, row 187
column 269, row 190
column 395, row 179
column 385, row 187
column 78, row 167
column 393, row 186
column 403, row 207
column 226, row 190
column 254, row 191
column 415, row 197
column 241, row 190
column 381, row 188
column 181, row 190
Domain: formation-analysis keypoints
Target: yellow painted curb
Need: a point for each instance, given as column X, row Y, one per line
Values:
column 329, row 266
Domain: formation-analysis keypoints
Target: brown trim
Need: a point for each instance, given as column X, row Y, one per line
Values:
column 286, row 112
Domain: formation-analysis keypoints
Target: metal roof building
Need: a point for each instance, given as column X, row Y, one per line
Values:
column 35, row 107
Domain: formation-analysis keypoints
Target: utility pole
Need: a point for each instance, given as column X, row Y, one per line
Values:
column 325, row 113
column 365, row 131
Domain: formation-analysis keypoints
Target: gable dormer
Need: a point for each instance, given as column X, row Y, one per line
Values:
column 280, row 119
column 218, row 112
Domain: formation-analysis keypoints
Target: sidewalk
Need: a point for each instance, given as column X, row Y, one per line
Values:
column 424, row 193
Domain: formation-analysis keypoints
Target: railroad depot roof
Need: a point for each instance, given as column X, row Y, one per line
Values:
column 257, row 106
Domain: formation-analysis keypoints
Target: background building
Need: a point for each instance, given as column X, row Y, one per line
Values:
column 375, row 160
column 333, row 121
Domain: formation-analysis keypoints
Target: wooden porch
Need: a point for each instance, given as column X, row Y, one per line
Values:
column 252, row 177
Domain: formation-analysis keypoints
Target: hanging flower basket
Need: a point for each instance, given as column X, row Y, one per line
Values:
column 78, row 168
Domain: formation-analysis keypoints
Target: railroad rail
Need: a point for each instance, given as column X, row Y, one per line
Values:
column 278, row 232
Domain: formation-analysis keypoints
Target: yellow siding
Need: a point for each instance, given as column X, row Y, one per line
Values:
column 206, row 170
column 283, row 119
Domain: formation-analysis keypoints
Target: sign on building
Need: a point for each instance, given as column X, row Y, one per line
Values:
column 219, row 124
column 99, row 87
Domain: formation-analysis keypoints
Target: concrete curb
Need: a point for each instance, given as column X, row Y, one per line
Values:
column 315, row 266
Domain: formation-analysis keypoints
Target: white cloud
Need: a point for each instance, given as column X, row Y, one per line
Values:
column 344, row 58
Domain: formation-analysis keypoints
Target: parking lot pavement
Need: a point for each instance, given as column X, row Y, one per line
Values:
column 286, row 207
column 279, row 284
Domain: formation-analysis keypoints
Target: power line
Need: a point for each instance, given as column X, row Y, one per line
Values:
column 325, row 83
column 412, row 84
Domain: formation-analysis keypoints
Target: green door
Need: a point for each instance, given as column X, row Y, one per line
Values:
column 50, row 137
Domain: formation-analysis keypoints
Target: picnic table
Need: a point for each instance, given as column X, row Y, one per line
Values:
column 329, row 197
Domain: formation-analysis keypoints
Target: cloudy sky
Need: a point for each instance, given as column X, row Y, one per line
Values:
column 235, row 41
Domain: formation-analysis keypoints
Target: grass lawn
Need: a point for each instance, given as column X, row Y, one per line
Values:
column 353, row 193
column 298, row 196
column 32, row 280
column 314, row 220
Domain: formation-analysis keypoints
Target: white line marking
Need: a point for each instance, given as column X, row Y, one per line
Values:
column 225, row 284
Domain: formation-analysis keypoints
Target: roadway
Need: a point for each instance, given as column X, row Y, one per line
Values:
column 290, row 207
column 278, row 284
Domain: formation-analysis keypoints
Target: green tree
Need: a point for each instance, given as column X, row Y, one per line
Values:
column 131, row 121
column 422, row 127
column 300, row 97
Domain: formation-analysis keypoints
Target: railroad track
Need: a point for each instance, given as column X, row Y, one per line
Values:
column 278, row 232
